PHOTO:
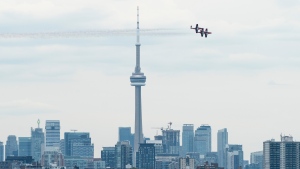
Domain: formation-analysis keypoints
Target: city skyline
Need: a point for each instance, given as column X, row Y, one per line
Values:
column 243, row 77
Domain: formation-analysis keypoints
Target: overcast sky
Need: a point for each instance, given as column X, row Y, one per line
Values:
column 243, row 77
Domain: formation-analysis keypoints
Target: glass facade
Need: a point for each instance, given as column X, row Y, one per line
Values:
column 78, row 144
column 11, row 147
column 123, row 154
column 187, row 138
column 52, row 133
column 126, row 135
column 37, row 141
column 222, row 138
column 24, row 146
column 171, row 141
column 146, row 156
column 1, row 151
column 108, row 155
column 202, row 140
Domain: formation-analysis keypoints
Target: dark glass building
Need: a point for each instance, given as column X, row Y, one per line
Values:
column 123, row 154
column 145, row 158
column 108, row 155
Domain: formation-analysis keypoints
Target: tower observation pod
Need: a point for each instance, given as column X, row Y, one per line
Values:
column 137, row 80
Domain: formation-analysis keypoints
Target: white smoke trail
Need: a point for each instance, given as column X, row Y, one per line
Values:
column 93, row 33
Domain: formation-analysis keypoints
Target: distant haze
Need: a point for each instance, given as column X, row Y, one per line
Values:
column 243, row 77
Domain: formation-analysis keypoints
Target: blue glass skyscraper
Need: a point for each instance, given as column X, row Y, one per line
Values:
column 222, row 142
column 202, row 140
column 187, row 138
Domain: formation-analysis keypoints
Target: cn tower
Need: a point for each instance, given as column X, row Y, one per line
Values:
column 137, row 80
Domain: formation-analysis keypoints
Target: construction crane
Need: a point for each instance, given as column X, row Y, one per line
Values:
column 161, row 128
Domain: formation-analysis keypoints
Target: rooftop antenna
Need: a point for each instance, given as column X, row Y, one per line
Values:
column 38, row 122
column 170, row 124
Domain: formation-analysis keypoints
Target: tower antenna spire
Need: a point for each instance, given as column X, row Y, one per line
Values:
column 38, row 122
column 138, row 27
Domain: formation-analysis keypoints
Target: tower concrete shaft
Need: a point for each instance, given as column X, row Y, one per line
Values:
column 137, row 80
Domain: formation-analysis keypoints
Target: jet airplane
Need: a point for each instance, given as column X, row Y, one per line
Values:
column 197, row 28
column 204, row 32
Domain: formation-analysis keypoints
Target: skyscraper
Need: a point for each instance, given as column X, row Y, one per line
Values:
column 171, row 141
column 125, row 134
column 78, row 144
column 37, row 141
column 24, row 146
column 123, row 155
column 222, row 142
column 1, row 151
column 282, row 154
column 52, row 133
column 137, row 80
column 108, row 155
column 187, row 138
column 146, row 156
column 11, row 147
column 202, row 140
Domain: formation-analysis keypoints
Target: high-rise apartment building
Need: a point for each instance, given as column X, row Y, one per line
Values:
column 158, row 146
column 52, row 133
column 171, row 141
column 146, row 156
column 222, row 138
column 187, row 138
column 24, row 146
column 108, row 155
column 1, row 151
column 37, row 143
column 202, row 141
column 284, row 154
column 78, row 144
column 123, row 155
column 11, row 147
column 126, row 135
